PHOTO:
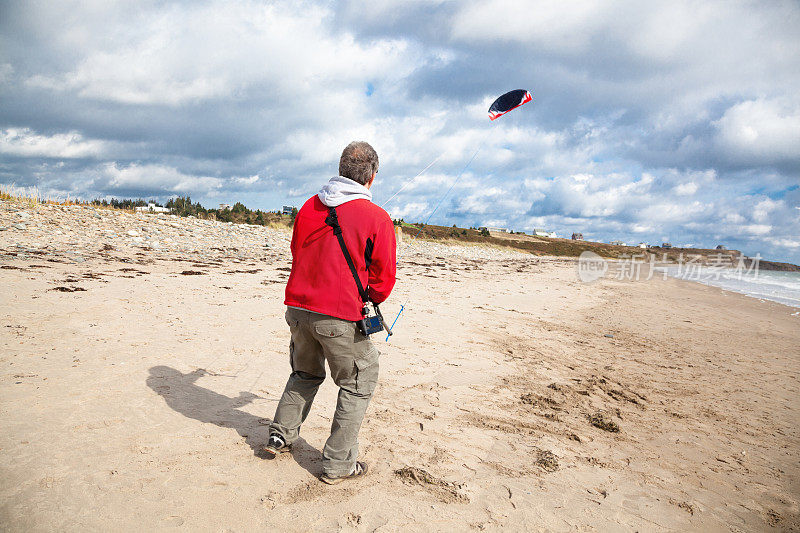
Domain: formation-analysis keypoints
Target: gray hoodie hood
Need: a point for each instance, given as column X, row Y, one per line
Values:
column 340, row 190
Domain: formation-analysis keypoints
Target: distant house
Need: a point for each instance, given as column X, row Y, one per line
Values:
column 224, row 207
column 544, row 233
column 577, row 236
column 721, row 247
column 151, row 208
column 498, row 230
column 643, row 245
column 617, row 243
column 666, row 245
column 287, row 209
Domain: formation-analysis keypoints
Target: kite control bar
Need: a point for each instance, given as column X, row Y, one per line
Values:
column 372, row 324
column 389, row 331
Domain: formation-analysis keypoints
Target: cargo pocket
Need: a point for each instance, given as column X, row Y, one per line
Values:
column 291, row 354
column 292, row 323
column 366, row 368
column 330, row 330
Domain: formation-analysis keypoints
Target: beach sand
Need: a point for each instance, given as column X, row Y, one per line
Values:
column 141, row 401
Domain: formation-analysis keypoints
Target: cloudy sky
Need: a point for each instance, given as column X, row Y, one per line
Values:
column 651, row 121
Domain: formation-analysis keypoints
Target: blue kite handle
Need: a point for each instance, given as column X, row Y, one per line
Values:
column 395, row 322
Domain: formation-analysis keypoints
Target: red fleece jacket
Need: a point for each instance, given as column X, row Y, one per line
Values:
column 320, row 280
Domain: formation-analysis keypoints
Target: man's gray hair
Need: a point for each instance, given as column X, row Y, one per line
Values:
column 359, row 162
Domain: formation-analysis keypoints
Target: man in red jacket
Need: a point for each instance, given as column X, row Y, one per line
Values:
column 323, row 303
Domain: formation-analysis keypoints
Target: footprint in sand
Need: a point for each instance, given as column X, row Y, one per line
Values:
column 173, row 521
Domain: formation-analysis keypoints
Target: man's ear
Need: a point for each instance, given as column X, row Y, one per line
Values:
column 369, row 183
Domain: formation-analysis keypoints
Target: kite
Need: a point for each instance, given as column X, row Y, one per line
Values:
column 507, row 102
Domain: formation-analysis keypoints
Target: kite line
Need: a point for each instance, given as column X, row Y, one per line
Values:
column 409, row 182
column 439, row 203
column 505, row 103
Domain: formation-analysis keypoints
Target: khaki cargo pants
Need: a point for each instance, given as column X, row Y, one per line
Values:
column 353, row 362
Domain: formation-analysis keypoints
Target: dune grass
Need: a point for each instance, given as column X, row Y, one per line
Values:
column 31, row 197
column 28, row 196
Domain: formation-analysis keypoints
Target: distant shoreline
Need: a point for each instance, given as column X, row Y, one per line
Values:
column 773, row 285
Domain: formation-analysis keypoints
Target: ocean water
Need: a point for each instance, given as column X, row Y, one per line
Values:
column 781, row 287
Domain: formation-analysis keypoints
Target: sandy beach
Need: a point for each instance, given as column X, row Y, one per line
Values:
column 142, row 357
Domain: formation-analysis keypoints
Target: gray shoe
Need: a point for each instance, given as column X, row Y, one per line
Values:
column 358, row 470
column 276, row 445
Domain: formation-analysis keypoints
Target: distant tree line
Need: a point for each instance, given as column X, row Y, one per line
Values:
column 126, row 203
column 182, row 206
column 239, row 213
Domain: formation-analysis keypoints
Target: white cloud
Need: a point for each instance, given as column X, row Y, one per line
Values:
column 26, row 142
column 756, row 229
column 733, row 218
column 784, row 243
column 246, row 181
column 547, row 24
column 763, row 209
column 761, row 129
column 220, row 49
column 681, row 33
column 686, row 189
column 157, row 177
column 412, row 211
column 481, row 200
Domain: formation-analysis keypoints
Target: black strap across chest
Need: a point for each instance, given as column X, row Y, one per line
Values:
column 333, row 221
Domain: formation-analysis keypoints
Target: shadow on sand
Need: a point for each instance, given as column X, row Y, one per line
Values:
column 184, row 396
